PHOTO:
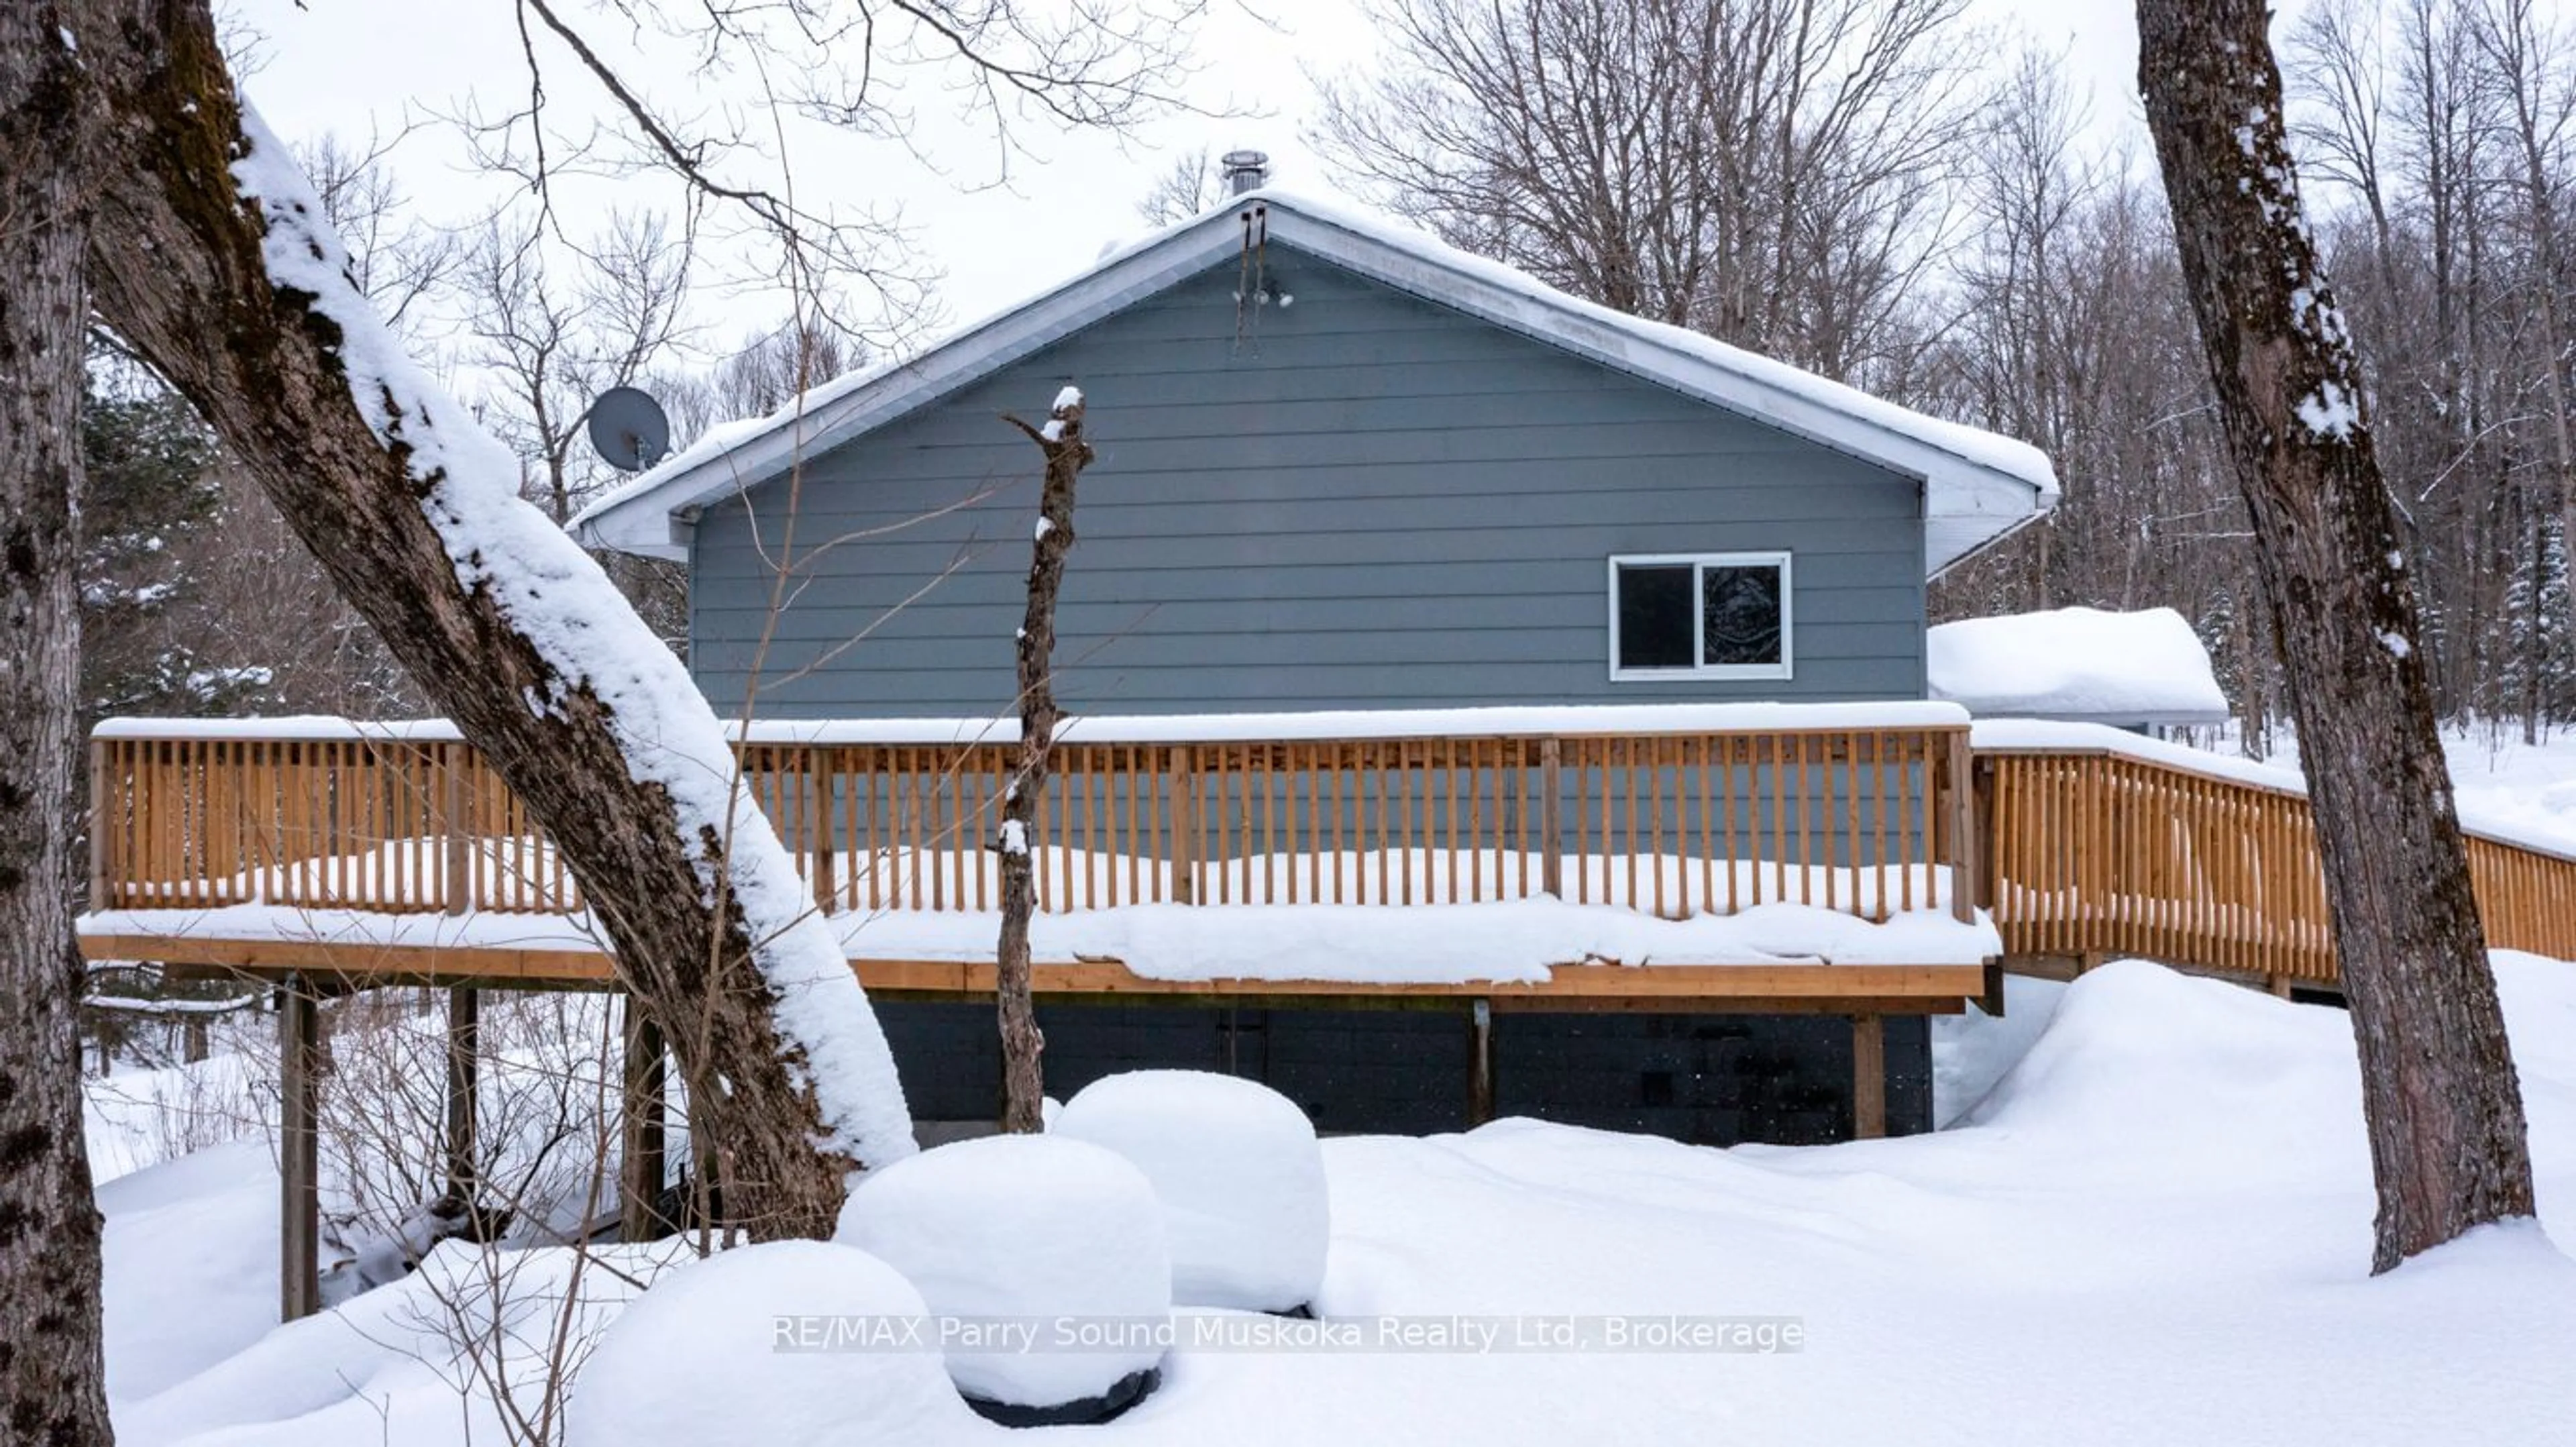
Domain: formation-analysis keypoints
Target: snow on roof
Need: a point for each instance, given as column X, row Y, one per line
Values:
column 1978, row 485
column 2081, row 664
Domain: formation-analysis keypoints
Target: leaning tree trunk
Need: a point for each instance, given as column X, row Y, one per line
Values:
column 1023, row 1079
column 2445, row 1117
column 213, row 260
column 53, row 1376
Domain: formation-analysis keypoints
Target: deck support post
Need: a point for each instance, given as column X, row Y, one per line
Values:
column 464, row 1081
column 641, row 1171
column 1869, row 1077
column 1480, row 1062
column 2278, row 984
column 299, row 1040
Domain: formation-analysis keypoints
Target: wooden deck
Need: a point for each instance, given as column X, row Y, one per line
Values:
column 407, row 822
column 2075, row 853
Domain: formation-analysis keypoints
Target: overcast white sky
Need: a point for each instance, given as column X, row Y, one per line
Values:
column 344, row 65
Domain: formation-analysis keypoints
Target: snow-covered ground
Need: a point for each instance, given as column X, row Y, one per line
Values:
column 2152, row 1225
column 2530, row 786
column 2502, row 783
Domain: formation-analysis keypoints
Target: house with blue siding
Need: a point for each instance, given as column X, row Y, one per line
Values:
column 1343, row 466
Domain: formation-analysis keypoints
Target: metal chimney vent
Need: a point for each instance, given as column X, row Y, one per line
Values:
column 1245, row 171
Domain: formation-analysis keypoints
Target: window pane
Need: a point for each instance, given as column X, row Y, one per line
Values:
column 1740, row 615
column 1655, row 617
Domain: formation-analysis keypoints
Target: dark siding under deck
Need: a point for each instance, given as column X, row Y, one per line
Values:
column 1706, row 1079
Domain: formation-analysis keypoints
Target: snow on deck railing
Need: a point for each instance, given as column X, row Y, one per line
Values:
column 1673, row 811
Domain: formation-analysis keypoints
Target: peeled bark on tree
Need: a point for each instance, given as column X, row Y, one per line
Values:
column 53, row 1372
column 240, row 301
column 1023, row 1079
column 2438, row 1089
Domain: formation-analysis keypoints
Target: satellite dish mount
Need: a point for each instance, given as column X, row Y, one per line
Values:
column 628, row 429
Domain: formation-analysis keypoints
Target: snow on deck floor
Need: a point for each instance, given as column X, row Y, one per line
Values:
column 1513, row 940
column 2154, row 1229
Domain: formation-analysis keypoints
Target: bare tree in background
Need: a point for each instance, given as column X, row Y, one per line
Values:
column 1004, row 66
column 1768, row 172
column 1067, row 453
column 1189, row 185
column 549, row 344
column 399, row 261
column 2436, row 136
column 2527, row 69
column 761, row 376
column 2072, row 330
column 2445, row 1117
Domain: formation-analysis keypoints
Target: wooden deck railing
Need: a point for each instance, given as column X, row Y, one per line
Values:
column 2092, row 852
column 405, row 819
column 2080, row 852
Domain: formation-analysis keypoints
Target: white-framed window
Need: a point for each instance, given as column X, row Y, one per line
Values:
column 1699, row 615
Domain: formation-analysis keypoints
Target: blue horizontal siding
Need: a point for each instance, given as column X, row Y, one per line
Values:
column 1366, row 501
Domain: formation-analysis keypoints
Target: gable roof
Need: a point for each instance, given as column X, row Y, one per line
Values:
column 1977, row 485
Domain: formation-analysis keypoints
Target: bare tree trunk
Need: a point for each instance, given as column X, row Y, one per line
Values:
column 706, row 921
column 53, row 1374
column 2438, row 1090
column 1023, row 1080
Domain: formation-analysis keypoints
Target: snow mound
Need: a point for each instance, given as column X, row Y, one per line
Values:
column 2077, row 663
column 1032, row 1233
column 2539, row 997
column 1238, row 1170
column 747, row 1337
column 2196, row 1071
column 194, row 1239
column 1974, row 1050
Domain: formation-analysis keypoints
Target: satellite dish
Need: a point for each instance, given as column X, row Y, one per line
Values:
column 628, row 429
